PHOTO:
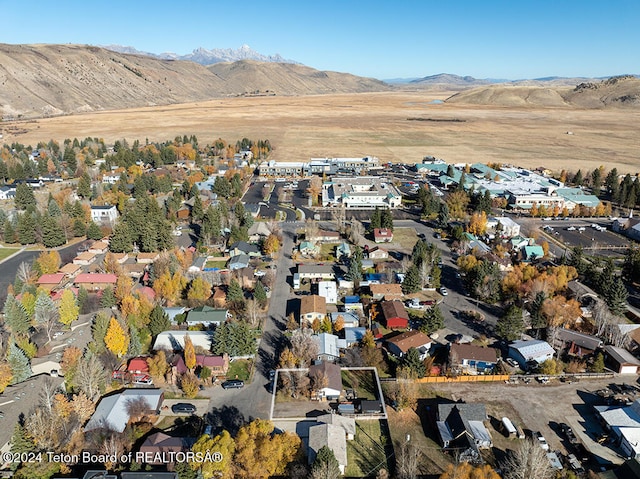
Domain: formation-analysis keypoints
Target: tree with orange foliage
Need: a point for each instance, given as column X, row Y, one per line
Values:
column 478, row 223
column 464, row 470
column 169, row 287
column 111, row 264
column 534, row 210
column 189, row 353
column 129, row 305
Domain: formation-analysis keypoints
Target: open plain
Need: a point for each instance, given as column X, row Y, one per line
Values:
column 399, row 126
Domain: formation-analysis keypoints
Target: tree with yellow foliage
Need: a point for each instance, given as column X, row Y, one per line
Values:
column 199, row 290
column 6, row 375
column 189, row 353
column 464, row 470
column 261, row 454
column 478, row 223
column 339, row 324
column 68, row 309
column 48, row 262
column 129, row 305
column 116, row 340
column 124, row 285
column 169, row 287
column 224, row 444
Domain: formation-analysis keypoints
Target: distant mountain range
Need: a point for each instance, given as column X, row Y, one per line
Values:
column 207, row 57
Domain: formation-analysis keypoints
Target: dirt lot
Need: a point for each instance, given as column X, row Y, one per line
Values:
column 373, row 124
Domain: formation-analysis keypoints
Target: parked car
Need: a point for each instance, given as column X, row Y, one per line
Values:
column 512, row 362
column 183, row 407
column 233, row 384
column 571, row 228
column 443, row 291
column 541, row 440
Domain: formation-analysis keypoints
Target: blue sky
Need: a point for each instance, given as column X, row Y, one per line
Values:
column 382, row 39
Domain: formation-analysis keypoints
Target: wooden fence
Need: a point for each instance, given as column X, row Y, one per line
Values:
column 465, row 379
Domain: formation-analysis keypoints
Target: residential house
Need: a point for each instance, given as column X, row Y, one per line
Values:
column 346, row 423
column 620, row 360
column 331, row 436
column 393, row 314
column 134, row 270
column 470, row 359
column 630, row 227
column 316, row 272
column 343, row 250
column 111, row 178
column 120, row 258
column 238, row 262
column 198, row 263
column 70, row 270
column 576, row 343
column 526, row 351
column 206, row 316
column 349, row 320
column 7, row 192
column 138, row 365
column 242, row 247
column 49, row 282
column 382, row 235
column 329, row 291
column 331, row 372
column 401, row 343
column 157, row 447
column 387, row 292
column 105, row 214
column 147, row 258
column 174, row 340
column 99, row 247
column 461, row 427
column 218, row 365
column 84, row 259
column 325, row 237
column 307, row 248
column 378, row 253
column 112, row 411
column 532, row 252
column 258, row 230
column 624, row 424
column 183, row 213
column 95, row 281
column 312, row 307
column 353, row 335
column 353, row 305
column 328, row 346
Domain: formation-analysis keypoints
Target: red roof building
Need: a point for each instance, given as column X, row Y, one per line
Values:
column 95, row 281
column 50, row 281
column 394, row 314
column 138, row 365
column 382, row 235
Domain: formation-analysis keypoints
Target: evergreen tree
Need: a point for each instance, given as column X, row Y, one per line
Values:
column 120, row 241
column 578, row 180
column 432, row 321
column 135, row 346
column 21, row 441
column 616, row 297
column 325, row 465
column 52, row 233
column 79, row 228
column 83, row 298
column 234, row 292
column 19, row 363
column 84, row 186
column 598, row 364
column 386, row 219
column 259, row 294
column 538, row 319
column 158, row 321
column 612, row 184
column 354, row 273
column 9, row 232
column 108, row 298
column 15, row 316
column 413, row 363
column 69, row 158
column 24, row 197
column 376, row 220
column 443, row 216
column 412, row 282
column 510, row 326
column 197, row 211
column 99, row 331
column 93, row 231
column 54, row 209
column 26, row 229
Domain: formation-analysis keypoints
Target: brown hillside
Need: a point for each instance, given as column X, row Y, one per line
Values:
column 612, row 93
column 289, row 79
column 48, row 80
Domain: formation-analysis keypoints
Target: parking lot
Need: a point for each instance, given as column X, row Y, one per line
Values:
column 583, row 233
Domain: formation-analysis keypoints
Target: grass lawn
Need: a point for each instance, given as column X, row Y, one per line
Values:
column 406, row 238
column 369, row 451
column 363, row 382
column 6, row 252
column 216, row 264
column 327, row 251
column 239, row 369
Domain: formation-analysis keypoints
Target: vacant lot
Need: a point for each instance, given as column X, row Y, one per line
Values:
column 374, row 124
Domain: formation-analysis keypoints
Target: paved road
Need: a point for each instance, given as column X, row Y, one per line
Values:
column 9, row 267
column 254, row 400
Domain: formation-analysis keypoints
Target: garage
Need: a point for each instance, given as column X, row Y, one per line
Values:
column 620, row 360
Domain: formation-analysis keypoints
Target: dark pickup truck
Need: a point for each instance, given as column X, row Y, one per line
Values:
column 568, row 433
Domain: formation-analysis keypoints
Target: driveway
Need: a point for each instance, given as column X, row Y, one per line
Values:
column 254, row 400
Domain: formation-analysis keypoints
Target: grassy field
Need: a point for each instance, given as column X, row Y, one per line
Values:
column 6, row 252
column 374, row 124
column 363, row 382
column 370, row 450
column 406, row 238
column 239, row 369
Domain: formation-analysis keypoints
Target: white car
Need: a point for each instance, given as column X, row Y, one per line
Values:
column 582, row 228
column 259, row 273
column 542, row 441
column 571, row 228
column 443, row 291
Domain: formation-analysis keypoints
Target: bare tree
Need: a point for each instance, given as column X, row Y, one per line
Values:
column 137, row 408
column 339, row 216
column 25, row 273
column 528, row 461
column 253, row 311
column 303, row 346
column 311, row 229
column 356, row 231
column 90, row 375
column 407, row 460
